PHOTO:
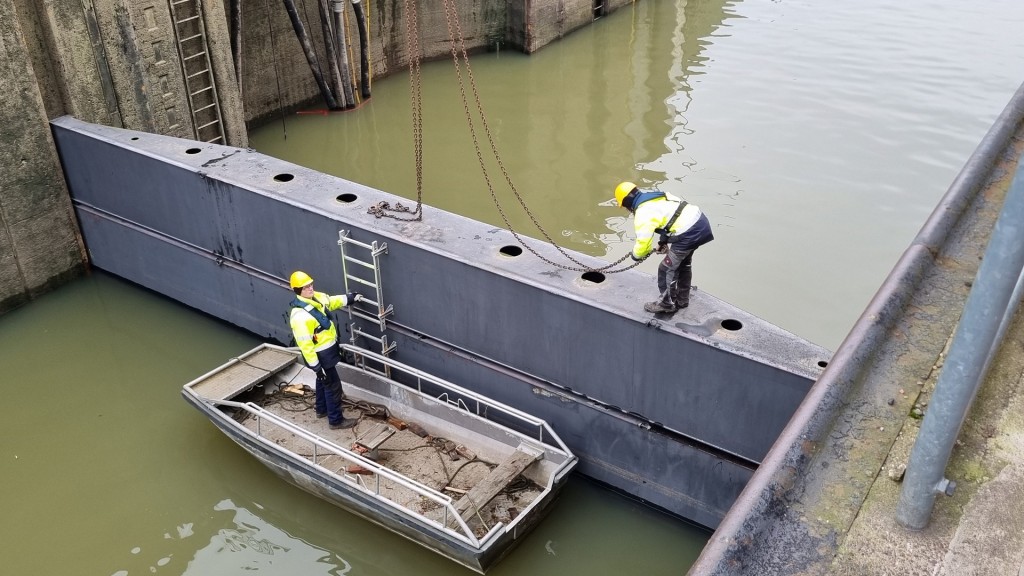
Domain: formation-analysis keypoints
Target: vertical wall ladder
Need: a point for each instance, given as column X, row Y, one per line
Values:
column 374, row 297
column 190, row 34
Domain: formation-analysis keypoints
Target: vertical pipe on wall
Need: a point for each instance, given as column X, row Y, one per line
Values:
column 236, row 41
column 338, row 6
column 364, row 56
column 307, row 49
column 332, row 55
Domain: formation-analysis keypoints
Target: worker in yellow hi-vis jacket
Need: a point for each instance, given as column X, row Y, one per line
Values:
column 317, row 338
column 678, row 227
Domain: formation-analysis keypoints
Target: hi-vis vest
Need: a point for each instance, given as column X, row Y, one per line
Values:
column 654, row 212
column 312, row 329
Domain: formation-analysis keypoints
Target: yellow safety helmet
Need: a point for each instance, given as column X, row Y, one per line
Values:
column 300, row 279
column 623, row 190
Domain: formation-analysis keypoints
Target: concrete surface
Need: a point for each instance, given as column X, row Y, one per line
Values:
column 980, row 529
column 39, row 243
column 822, row 500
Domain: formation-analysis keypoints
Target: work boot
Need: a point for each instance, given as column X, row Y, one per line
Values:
column 659, row 307
column 664, row 304
column 345, row 423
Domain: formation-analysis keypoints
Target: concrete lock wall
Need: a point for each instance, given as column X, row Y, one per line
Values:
column 113, row 62
column 677, row 413
column 272, row 54
column 39, row 244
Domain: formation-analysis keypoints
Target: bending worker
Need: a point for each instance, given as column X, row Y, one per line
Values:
column 317, row 338
column 678, row 227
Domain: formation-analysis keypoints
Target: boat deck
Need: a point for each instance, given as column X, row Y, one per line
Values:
column 462, row 472
column 240, row 376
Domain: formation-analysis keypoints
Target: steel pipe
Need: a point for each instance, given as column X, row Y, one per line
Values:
column 990, row 302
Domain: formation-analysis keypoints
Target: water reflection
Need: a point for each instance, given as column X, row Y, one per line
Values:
column 817, row 136
column 245, row 541
column 568, row 122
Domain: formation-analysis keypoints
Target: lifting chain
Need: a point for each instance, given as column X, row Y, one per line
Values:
column 458, row 48
column 412, row 39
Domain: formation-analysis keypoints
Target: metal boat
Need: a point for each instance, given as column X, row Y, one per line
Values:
column 458, row 473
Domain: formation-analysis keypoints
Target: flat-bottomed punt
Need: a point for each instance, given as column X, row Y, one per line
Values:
column 454, row 471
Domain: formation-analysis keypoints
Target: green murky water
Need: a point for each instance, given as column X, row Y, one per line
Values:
column 818, row 136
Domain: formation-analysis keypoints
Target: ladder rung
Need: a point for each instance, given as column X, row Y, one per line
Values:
column 212, row 140
column 193, row 75
column 207, row 124
column 362, row 263
column 349, row 240
column 200, row 91
column 193, row 37
column 198, row 110
column 196, row 55
column 363, row 282
column 386, row 347
column 189, row 19
column 176, row 2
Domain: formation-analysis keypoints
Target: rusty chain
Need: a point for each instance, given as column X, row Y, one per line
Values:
column 459, row 48
column 383, row 209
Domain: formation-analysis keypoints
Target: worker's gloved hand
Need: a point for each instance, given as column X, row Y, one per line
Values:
column 316, row 367
column 353, row 297
column 662, row 248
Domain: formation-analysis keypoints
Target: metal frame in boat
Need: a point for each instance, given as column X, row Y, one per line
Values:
column 409, row 393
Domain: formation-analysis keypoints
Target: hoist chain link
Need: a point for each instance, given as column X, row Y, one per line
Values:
column 384, row 210
column 412, row 36
column 460, row 47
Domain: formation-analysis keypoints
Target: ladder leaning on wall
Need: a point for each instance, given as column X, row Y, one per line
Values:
column 193, row 51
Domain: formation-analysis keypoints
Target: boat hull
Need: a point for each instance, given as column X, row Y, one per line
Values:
column 367, row 504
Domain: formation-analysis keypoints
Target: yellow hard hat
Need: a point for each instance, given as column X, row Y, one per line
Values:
column 623, row 190
column 300, row 279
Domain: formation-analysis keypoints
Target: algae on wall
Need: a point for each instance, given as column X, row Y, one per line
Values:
column 40, row 247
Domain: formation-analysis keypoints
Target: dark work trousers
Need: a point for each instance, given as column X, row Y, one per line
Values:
column 676, row 269
column 328, row 385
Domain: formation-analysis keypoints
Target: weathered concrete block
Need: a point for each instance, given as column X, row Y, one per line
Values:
column 40, row 246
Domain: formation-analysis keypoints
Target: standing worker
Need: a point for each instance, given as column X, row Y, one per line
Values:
column 317, row 338
column 680, row 227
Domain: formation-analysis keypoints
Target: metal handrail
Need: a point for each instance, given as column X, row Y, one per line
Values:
column 318, row 441
column 993, row 298
column 543, row 428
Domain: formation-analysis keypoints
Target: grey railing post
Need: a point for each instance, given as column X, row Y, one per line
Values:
column 993, row 297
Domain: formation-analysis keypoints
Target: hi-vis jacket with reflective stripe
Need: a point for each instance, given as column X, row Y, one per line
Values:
column 309, row 336
column 655, row 213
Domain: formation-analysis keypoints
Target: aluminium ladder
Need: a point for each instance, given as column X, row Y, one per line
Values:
column 200, row 85
column 377, row 299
